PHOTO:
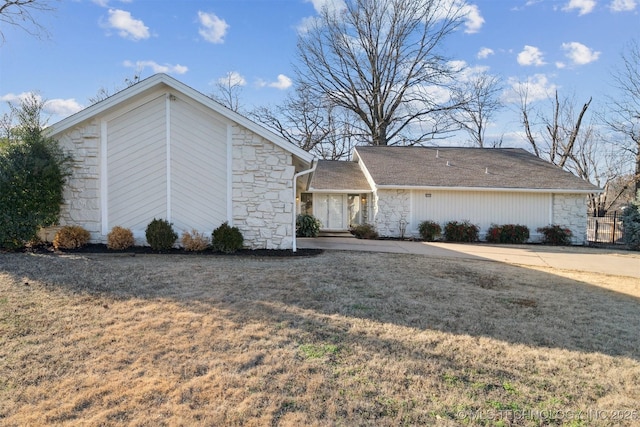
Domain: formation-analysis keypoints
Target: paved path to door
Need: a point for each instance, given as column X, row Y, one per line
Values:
column 606, row 261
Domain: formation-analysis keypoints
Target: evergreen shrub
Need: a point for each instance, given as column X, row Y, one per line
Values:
column 160, row 235
column 227, row 239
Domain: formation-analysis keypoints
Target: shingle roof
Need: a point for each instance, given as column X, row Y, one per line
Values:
column 495, row 168
column 338, row 175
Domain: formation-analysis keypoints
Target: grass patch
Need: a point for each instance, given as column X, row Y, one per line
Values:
column 343, row 338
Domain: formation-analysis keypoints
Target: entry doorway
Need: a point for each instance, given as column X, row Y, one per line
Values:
column 336, row 212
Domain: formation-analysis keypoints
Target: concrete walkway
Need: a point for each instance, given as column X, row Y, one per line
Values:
column 606, row 261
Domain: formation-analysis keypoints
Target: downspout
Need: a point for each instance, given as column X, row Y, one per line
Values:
column 314, row 163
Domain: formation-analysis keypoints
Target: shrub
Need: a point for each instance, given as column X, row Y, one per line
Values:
column 71, row 237
column 307, row 226
column 194, row 241
column 120, row 238
column 631, row 222
column 364, row 231
column 226, row 239
column 455, row 231
column 160, row 235
column 429, row 230
column 555, row 235
column 32, row 177
column 509, row 233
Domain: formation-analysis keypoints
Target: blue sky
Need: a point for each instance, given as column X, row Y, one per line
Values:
column 569, row 45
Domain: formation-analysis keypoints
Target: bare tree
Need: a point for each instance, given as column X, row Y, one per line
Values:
column 22, row 14
column 558, row 140
column 479, row 100
column 104, row 93
column 228, row 91
column 382, row 60
column 566, row 137
column 625, row 107
column 313, row 125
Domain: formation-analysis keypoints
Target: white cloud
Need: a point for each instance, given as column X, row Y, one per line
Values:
column 57, row 107
column 212, row 28
column 105, row 3
column 232, row 78
column 580, row 54
column 156, row 68
column 127, row 26
column 473, row 20
column 282, row 83
column 623, row 5
column 560, row 65
column 484, row 53
column 584, row 6
column 62, row 107
column 531, row 55
column 537, row 88
column 332, row 5
column 16, row 99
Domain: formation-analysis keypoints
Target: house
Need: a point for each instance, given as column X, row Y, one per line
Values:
column 396, row 188
column 160, row 149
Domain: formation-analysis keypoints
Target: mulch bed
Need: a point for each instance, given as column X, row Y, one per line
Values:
column 99, row 248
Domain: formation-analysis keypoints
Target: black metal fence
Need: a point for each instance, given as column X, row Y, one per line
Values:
column 605, row 229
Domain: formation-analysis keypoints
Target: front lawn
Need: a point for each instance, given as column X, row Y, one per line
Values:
column 342, row 338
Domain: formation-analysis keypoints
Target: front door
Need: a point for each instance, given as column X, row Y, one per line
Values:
column 330, row 210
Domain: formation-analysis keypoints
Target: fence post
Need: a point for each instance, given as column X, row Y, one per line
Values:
column 595, row 234
column 613, row 235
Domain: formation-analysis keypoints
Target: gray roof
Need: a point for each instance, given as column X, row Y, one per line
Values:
column 337, row 175
column 482, row 168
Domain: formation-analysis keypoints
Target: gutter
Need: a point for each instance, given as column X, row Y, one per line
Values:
column 314, row 163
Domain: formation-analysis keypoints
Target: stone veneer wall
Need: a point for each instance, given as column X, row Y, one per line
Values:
column 82, row 193
column 262, row 191
column 570, row 210
column 391, row 207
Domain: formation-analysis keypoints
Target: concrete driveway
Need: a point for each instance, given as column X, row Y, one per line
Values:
column 580, row 258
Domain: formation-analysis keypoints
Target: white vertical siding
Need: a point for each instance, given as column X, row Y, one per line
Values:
column 198, row 168
column 482, row 208
column 136, row 166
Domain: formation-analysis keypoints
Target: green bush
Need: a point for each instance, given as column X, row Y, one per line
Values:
column 555, row 235
column 160, row 235
column 455, row 231
column 429, row 230
column 508, row 233
column 364, row 231
column 33, row 173
column 307, row 226
column 71, row 237
column 226, row 239
column 631, row 222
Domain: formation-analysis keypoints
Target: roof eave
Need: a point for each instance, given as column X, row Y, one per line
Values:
column 156, row 79
column 491, row 189
column 351, row 190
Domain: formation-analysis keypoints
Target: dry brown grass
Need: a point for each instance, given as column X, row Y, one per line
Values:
column 338, row 339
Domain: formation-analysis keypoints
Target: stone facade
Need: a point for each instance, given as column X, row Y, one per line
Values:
column 570, row 210
column 391, row 209
column 262, row 191
column 82, row 193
